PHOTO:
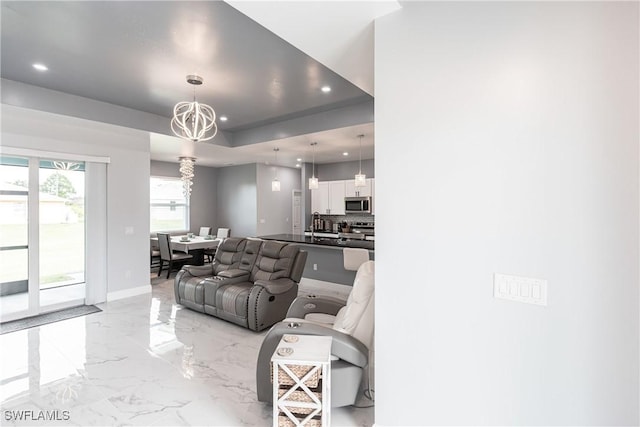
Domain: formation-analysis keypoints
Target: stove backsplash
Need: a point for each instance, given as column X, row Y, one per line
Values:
column 327, row 221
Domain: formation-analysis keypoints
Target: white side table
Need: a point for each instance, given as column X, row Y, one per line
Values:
column 301, row 381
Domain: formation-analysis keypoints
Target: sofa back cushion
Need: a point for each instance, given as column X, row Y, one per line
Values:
column 356, row 317
column 229, row 254
column 250, row 254
column 275, row 261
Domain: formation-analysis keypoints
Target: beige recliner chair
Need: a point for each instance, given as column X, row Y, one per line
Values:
column 352, row 333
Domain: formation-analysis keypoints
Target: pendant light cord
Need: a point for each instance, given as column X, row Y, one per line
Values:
column 360, row 167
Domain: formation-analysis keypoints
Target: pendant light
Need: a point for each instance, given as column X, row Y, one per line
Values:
column 194, row 121
column 361, row 179
column 313, row 181
column 275, row 184
column 186, row 174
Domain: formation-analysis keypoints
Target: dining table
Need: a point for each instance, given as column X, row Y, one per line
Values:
column 194, row 245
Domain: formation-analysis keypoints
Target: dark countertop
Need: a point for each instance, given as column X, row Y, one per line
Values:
column 321, row 241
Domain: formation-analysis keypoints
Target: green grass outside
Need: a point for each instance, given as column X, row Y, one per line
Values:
column 62, row 251
column 167, row 225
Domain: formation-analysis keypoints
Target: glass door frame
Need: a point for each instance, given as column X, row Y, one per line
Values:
column 33, row 250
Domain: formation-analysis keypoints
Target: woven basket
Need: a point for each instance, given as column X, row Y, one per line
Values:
column 284, row 421
column 299, row 396
column 300, row 371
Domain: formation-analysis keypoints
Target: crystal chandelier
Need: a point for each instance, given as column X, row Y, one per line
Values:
column 194, row 121
column 313, row 181
column 361, row 179
column 275, row 184
column 186, row 174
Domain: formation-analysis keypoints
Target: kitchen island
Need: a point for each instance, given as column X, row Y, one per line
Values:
column 324, row 260
column 322, row 241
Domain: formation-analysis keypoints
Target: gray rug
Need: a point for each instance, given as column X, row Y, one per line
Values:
column 43, row 319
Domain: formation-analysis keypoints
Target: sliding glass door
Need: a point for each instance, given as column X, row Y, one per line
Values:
column 14, row 236
column 62, row 233
column 42, row 236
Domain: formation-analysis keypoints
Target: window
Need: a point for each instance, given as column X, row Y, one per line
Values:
column 169, row 208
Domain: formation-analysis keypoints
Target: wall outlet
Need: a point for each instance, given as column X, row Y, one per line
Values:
column 128, row 231
column 517, row 288
column 315, row 266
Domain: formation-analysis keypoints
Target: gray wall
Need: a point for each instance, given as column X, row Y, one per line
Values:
column 237, row 199
column 306, row 172
column 274, row 214
column 522, row 120
column 344, row 170
column 203, row 203
column 127, row 199
column 330, row 265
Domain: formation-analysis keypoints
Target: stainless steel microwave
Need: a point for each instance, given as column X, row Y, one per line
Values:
column 357, row 204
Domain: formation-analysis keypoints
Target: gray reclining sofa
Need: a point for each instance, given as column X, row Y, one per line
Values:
column 250, row 282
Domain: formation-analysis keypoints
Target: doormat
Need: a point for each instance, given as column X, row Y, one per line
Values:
column 43, row 319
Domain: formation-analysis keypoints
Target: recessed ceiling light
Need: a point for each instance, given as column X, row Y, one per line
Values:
column 223, row 118
column 40, row 67
column 326, row 89
column 298, row 160
column 297, row 165
column 345, row 154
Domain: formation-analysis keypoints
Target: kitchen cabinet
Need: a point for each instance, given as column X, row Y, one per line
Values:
column 336, row 197
column 320, row 198
column 328, row 198
column 352, row 191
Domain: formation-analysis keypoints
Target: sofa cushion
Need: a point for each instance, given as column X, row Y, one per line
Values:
column 250, row 254
column 275, row 261
column 228, row 254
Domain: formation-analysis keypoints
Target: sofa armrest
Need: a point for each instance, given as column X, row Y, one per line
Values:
column 276, row 287
column 343, row 346
column 233, row 273
column 304, row 305
column 219, row 281
column 199, row 270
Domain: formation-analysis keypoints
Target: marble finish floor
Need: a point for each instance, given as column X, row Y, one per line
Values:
column 141, row 361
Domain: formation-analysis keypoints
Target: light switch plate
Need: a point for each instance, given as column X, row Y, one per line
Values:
column 517, row 288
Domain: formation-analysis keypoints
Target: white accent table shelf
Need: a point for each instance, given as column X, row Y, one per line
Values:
column 301, row 381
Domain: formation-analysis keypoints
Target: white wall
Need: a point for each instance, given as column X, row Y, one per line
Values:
column 513, row 128
column 275, row 207
column 127, row 180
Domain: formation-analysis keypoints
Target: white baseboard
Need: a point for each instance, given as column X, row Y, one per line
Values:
column 127, row 293
column 320, row 287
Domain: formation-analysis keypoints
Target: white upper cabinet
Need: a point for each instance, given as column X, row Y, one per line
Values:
column 320, row 198
column 352, row 191
column 328, row 198
column 336, row 197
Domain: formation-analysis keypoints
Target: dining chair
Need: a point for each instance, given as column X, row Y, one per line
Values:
column 353, row 258
column 222, row 234
column 167, row 254
column 154, row 255
column 204, row 231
